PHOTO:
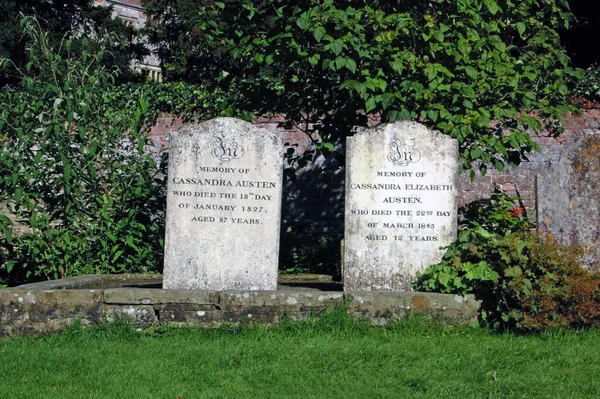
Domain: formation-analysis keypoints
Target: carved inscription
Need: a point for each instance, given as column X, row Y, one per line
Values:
column 223, row 207
column 398, row 218
column 398, row 224
column 233, row 199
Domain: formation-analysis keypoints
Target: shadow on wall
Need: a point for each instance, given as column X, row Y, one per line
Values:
column 312, row 217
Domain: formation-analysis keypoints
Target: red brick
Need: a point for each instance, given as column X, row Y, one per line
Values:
column 508, row 188
column 592, row 113
column 525, row 187
column 484, row 187
column 504, row 179
column 529, row 204
column 270, row 127
column 590, row 131
column 161, row 123
column 484, row 179
column 575, row 122
column 555, row 149
column 592, row 123
column 544, row 140
column 268, row 119
column 526, row 194
column 157, row 130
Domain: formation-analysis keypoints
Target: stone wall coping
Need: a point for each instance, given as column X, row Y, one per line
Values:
column 34, row 308
column 71, row 288
column 93, row 281
column 149, row 296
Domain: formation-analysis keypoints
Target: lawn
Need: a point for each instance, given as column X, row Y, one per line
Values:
column 327, row 357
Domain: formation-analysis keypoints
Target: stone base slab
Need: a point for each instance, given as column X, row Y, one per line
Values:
column 33, row 309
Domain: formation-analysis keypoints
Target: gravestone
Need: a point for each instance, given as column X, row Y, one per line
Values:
column 223, row 207
column 568, row 199
column 401, row 204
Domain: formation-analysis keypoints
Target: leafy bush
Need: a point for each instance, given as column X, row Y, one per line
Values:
column 187, row 101
column 84, row 193
column 525, row 282
column 589, row 86
column 483, row 226
column 96, row 25
column 483, row 72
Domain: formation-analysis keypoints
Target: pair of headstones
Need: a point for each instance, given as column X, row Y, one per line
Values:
column 224, row 206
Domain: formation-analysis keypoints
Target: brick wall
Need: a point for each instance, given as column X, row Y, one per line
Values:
column 313, row 205
column 520, row 180
column 166, row 124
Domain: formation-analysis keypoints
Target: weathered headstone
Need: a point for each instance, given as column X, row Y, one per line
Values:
column 223, row 207
column 568, row 199
column 401, row 204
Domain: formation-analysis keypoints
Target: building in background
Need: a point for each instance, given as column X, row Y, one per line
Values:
column 132, row 13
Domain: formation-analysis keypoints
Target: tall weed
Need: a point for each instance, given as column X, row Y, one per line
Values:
column 83, row 192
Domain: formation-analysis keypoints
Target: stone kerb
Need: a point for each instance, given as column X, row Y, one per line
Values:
column 40, row 311
column 223, row 207
column 401, row 205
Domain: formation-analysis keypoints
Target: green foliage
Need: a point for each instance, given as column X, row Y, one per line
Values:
column 58, row 18
column 84, row 192
column 589, row 86
column 181, row 47
column 470, row 261
column 498, row 214
column 184, row 100
column 483, row 72
column 525, row 282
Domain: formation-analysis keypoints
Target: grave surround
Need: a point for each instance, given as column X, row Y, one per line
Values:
column 42, row 307
column 401, row 205
column 223, row 207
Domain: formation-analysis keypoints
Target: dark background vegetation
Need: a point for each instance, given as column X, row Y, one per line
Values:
column 58, row 17
column 176, row 25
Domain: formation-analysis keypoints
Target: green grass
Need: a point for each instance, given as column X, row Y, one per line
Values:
column 328, row 357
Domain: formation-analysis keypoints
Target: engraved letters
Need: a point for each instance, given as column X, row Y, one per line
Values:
column 403, row 154
column 226, row 150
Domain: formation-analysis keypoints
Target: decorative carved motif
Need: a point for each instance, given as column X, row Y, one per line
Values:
column 403, row 154
column 225, row 150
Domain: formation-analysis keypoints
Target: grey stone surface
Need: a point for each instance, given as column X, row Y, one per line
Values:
column 401, row 204
column 304, row 278
column 58, row 298
column 381, row 306
column 92, row 281
column 155, row 296
column 568, row 200
column 193, row 317
column 143, row 314
column 223, row 207
column 39, row 311
column 284, row 300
